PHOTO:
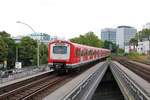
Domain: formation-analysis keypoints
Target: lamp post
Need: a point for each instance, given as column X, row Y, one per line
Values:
column 16, row 54
column 37, row 40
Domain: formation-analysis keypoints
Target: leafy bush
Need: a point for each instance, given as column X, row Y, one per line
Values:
column 120, row 52
column 134, row 55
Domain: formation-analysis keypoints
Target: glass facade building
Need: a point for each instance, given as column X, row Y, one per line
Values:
column 108, row 34
column 124, row 34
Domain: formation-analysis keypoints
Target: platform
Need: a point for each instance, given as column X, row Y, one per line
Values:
column 81, row 87
column 132, row 86
column 22, row 79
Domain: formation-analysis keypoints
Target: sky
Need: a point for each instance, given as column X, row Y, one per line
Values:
column 70, row 18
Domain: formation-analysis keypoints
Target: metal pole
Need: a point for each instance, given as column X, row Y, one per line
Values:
column 37, row 41
column 16, row 54
column 38, row 53
column 149, row 46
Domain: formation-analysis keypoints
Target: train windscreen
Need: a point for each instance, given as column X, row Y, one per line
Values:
column 59, row 49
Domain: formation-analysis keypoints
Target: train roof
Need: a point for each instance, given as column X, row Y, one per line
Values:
column 77, row 45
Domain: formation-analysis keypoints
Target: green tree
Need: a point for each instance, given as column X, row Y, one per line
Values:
column 27, row 51
column 133, row 42
column 8, row 54
column 144, row 34
column 88, row 39
column 138, row 36
column 4, row 34
column 11, row 45
column 43, row 53
column 3, row 50
column 109, row 45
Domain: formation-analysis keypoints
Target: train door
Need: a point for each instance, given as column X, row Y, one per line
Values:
column 81, row 57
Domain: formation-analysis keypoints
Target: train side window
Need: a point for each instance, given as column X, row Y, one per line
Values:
column 93, row 52
column 78, row 53
column 86, row 52
column 75, row 52
column 90, row 52
column 82, row 52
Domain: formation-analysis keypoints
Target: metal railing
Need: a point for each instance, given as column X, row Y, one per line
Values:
column 14, row 74
column 131, row 90
column 86, row 88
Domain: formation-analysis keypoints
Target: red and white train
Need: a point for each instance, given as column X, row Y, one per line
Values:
column 65, row 56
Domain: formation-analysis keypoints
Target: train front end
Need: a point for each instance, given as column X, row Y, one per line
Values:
column 59, row 55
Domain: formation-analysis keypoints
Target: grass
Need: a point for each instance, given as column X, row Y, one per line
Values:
column 136, row 56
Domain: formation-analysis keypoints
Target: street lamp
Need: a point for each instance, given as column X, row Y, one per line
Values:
column 37, row 40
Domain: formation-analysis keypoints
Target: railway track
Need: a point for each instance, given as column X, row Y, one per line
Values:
column 142, row 71
column 39, row 87
column 143, row 61
column 22, row 83
column 29, row 91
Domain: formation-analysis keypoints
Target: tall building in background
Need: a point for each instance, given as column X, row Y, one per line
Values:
column 108, row 34
column 124, row 34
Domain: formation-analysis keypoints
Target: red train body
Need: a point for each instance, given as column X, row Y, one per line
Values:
column 66, row 56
